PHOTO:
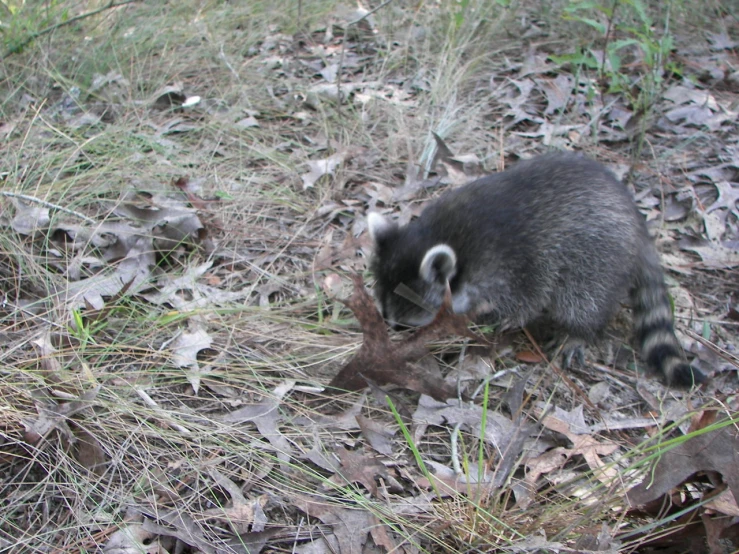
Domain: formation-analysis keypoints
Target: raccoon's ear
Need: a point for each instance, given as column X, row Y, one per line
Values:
column 379, row 227
column 439, row 264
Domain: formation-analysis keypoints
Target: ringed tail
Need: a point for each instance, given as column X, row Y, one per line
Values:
column 653, row 323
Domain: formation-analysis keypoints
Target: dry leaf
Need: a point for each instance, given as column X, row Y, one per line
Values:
column 716, row 451
column 382, row 361
column 132, row 273
column 349, row 526
column 319, row 168
column 558, row 92
column 185, row 353
column 357, row 466
column 715, row 255
column 133, row 539
column 506, row 436
column 240, row 514
column 191, row 291
column 168, row 97
column 378, row 435
column 266, row 416
column 529, row 357
column 55, row 416
column 89, row 451
column 29, row 218
column 459, row 169
column 181, row 526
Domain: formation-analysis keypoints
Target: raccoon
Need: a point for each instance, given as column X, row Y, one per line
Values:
column 555, row 237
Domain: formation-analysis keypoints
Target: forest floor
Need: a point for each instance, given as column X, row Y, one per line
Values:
column 183, row 198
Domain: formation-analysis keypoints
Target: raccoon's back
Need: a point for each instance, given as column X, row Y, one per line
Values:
column 560, row 209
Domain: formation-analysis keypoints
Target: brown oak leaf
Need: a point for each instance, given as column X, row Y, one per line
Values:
column 383, row 361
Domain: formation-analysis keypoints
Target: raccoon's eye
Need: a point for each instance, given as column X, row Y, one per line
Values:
column 409, row 294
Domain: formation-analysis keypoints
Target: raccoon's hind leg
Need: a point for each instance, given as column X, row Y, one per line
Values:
column 580, row 320
column 557, row 342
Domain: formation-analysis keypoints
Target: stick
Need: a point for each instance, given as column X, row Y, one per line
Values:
column 343, row 47
column 47, row 204
column 33, row 36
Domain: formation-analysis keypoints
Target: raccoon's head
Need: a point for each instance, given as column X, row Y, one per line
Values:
column 411, row 271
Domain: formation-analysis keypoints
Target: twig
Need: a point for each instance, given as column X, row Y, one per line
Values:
column 225, row 60
column 343, row 47
column 369, row 13
column 608, row 38
column 720, row 352
column 47, row 204
column 33, row 36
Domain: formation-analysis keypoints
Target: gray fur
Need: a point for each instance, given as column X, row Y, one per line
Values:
column 557, row 236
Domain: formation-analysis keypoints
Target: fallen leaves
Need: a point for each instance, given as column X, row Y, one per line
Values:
column 359, row 467
column 134, row 539
column 186, row 349
column 697, row 472
column 349, row 527
column 29, row 218
column 132, row 273
column 697, row 107
column 712, row 450
column 205, row 360
column 383, row 361
column 104, row 259
column 267, row 418
column 715, row 255
column 583, row 444
column 241, row 514
column 325, row 166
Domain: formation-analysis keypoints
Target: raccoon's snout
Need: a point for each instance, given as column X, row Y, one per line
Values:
column 404, row 308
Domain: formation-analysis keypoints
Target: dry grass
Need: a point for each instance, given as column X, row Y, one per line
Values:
column 101, row 429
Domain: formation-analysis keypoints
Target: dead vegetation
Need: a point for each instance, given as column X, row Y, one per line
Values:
column 182, row 208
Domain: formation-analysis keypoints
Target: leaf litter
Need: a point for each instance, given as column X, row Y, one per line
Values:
column 200, row 419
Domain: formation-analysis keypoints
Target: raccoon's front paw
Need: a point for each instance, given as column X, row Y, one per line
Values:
column 576, row 353
column 572, row 350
